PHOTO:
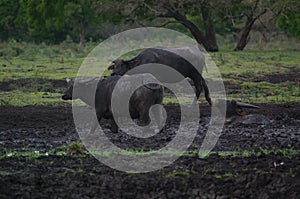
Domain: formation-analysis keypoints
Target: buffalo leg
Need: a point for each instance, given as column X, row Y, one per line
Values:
column 159, row 113
column 95, row 124
column 144, row 116
column 206, row 91
column 159, row 117
column 114, row 126
column 198, row 87
column 200, row 84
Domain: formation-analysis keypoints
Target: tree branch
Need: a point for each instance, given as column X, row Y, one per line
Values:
column 184, row 21
column 156, row 12
column 260, row 14
column 275, row 14
column 234, row 17
column 255, row 6
column 166, row 23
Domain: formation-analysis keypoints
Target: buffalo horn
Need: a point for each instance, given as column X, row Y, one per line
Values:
column 130, row 59
column 85, row 81
column 245, row 105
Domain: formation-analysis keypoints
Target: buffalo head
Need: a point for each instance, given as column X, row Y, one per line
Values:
column 67, row 95
column 121, row 66
column 234, row 108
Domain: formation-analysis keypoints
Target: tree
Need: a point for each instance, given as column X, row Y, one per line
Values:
column 252, row 14
column 12, row 24
column 55, row 19
column 289, row 20
column 80, row 14
column 45, row 20
column 178, row 11
column 250, row 11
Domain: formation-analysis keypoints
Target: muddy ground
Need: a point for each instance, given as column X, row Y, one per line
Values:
column 44, row 128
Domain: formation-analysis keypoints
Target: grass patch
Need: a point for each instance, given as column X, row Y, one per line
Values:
column 19, row 98
column 256, row 62
column 267, row 92
column 218, row 174
column 39, row 68
column 24, row 153
column 248, row 67
column 19, row 60
column 76, row 148
column 26, row 60
column 178, row 173
column 288, row 152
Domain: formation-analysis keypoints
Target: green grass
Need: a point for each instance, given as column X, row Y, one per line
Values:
column 218, row 174
column 23, row 61
column 258, row 62
column 247, row 67
column 288, row 152
column 26, row 60
column 19, row 98
column 77, row 148
column 267, row 92
column 178, row 173
column 38, row 68
column 27, row 154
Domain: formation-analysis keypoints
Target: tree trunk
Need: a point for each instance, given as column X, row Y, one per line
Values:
column 244, row 39
column 210, row 34
column 208, row 42
column 81, row 38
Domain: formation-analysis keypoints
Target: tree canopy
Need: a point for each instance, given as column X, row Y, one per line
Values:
column 52, row 21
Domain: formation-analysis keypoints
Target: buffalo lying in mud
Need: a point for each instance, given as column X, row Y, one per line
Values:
column 235, row 113
column 140, row 102
column 187, row 60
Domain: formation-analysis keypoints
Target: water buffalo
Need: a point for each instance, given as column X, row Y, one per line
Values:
column 235, row 113
column 183, row 59
column 256, row 119
column 140, row 102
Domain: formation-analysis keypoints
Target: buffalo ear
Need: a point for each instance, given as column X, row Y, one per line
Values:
column 133, row 63
column 111, row 67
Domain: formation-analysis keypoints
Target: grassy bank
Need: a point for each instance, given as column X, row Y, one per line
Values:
column 251, row 76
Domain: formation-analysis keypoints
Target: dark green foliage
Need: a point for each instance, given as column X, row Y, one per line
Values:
column 12, row 20
column 51, row 21
column 54, row 21
column 290, row 22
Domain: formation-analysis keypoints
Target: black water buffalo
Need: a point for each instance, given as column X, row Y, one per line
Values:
column 183, row 59
column 140, row 102
column 235, row 113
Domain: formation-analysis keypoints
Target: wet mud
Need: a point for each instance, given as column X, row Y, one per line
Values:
column 273, row 174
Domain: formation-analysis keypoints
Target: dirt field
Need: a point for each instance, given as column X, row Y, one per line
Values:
column 273, row 174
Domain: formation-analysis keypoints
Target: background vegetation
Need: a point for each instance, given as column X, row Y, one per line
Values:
column 54, row 21
column 42, row 42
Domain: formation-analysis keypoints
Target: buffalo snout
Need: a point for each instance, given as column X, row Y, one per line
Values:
column 66, row 97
